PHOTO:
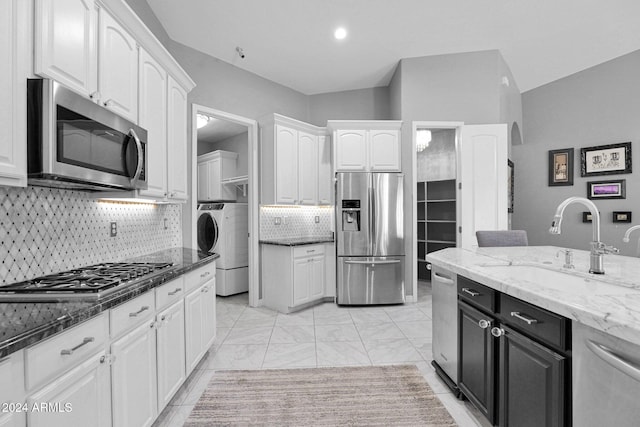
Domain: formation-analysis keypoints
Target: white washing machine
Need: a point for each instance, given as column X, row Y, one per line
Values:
column 223, row 228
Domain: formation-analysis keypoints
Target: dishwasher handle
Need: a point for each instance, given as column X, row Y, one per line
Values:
column 444, row 279
column 606, row 354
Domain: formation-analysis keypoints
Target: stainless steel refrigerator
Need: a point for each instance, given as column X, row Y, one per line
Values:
column 370, row 238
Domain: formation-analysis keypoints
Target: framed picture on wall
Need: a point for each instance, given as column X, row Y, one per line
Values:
column 606, row 159
column 561, row 167
column 510, row 186
column 614, row 189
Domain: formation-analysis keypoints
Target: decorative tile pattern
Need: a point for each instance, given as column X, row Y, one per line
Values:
column 295, row 221
column 47, row 230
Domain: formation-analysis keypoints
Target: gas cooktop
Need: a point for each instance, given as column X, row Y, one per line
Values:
column 94, row 281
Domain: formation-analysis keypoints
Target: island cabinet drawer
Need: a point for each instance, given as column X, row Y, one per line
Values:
column 132, row 313
column 477, row 293
column 46, row 360
column 537, row 322
column 199, row 276
column 169, row 292
column 308, row 250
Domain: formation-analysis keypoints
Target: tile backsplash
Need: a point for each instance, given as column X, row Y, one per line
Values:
column 45, row 230
column 295, row 221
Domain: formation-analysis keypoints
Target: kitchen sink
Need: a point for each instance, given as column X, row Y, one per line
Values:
column 564, row 279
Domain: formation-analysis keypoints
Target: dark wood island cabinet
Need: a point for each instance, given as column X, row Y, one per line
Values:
column 514, row 358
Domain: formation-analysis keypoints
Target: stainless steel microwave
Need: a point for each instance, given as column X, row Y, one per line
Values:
column 75, row 143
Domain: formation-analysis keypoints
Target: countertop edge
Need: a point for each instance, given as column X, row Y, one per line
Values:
column 606, row 313
column 48, row 329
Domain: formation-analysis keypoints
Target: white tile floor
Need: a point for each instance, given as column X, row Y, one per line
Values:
column 324, row 335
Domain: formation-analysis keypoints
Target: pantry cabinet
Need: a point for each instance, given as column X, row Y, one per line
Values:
column 291, row 168
column 293, row 276
column 325, row 171
column 14, row 51
column 366, row 146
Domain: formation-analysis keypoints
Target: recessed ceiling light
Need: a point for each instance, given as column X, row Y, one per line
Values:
column 340, row 33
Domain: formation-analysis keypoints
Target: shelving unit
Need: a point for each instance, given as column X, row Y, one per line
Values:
column 436, row 220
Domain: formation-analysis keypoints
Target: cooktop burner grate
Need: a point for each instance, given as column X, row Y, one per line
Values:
column 85, row 280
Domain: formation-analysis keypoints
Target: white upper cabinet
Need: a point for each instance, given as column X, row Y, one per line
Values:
column 286, row 165
column 153, row 117
column 366, row 146
column 117, row 68
column 351, row 150
column 83, row 47
column 213, row 169
column 308, row 150
column 14, row 48
column 384, row 150
column 325, row 176
column 177, row 141
column 65, row 43
column 291, row 162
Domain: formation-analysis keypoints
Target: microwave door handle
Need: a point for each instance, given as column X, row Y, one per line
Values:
column 136, row 176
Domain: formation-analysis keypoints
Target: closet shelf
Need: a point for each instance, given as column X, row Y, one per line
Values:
column 239, row 181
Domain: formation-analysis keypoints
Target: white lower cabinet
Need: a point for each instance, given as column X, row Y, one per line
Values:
column 293, row 276
column 133, row 377
column 200, row 325
column 121, row 367
column 78, row 398
column 12, row 372
column 170, row 352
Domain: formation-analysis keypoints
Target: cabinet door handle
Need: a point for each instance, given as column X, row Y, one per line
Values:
column 205, row 289
column 606, row 354
column 69, row 351
column 484, row 324
column 174, row 292
column 311, row 251
column 470, row 292
column 529, row 320
column 108, row 102
column 498, row 332
column 205, row 274
column 135, row 314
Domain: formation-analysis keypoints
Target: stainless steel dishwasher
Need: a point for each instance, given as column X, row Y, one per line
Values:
column 445, row 326
column 606, row 379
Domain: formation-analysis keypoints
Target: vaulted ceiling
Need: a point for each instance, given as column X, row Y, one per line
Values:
column 291, row 42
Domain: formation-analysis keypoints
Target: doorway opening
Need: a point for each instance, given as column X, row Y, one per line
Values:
column 435, row 209
column 225, row 197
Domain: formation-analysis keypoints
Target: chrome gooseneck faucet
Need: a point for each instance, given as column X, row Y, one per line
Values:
column 598, row 249
column 628, row 233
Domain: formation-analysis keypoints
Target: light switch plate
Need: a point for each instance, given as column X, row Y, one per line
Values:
column 277, row 220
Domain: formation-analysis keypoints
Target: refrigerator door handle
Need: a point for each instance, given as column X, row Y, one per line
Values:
column 372, row 227
column 391, row 261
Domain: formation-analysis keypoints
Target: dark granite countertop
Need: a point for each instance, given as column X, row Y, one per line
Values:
column 25, row 323
column 296, row 241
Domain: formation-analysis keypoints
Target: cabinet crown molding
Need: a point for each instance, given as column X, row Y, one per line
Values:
column 271, row 119
column 333, row 125
column 123, row 13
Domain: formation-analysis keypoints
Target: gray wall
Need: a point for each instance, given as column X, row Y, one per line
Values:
column 362, row 104
column 597, row 106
